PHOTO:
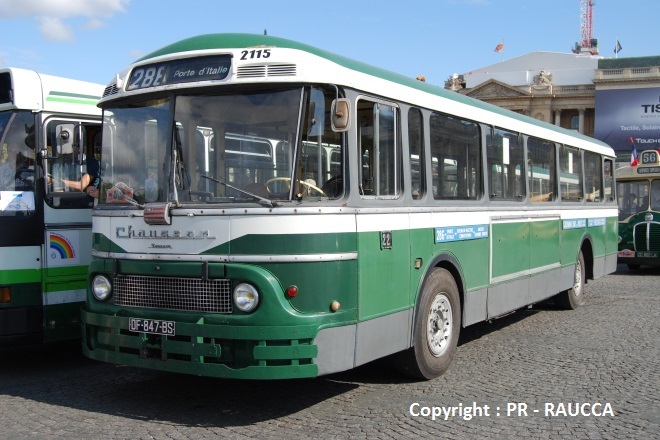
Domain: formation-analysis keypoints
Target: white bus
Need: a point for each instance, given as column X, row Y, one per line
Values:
column 374, row 214
column 49, row 127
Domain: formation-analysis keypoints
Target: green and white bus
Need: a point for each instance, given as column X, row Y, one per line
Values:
column 638, row 194
column 374, row 214
column 48, row 126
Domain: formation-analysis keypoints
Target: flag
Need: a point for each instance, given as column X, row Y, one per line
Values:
column 618, row 47
column 499, row 48
column 634, row 159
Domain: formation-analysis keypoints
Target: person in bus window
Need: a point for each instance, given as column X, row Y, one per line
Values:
column 631, row 206
column 655, row 198
column 89, row 182
column 643, row 203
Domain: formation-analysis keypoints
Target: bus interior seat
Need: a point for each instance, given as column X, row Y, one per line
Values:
column 333, row 187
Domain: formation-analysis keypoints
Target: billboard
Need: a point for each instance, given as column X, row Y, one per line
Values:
column 625, row 114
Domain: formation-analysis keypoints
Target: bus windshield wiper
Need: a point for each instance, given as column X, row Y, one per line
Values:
column 261, row 199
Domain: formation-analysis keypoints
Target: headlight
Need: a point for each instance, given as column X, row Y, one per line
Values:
column 246, row 297
column 101, row 288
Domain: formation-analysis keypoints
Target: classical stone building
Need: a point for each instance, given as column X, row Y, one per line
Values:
column 552, row 87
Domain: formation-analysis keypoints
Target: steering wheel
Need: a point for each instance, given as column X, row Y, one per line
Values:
column 25, row 170
column 302, row 182
column 279, row 179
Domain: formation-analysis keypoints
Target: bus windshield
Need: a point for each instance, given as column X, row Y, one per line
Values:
column 219, row 148
column 17, row 163
column 633, row 197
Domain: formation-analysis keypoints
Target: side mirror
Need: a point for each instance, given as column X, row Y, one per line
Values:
column 341, row 114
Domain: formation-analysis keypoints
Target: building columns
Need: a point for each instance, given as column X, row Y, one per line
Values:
column 558, row 118
column 581, row 120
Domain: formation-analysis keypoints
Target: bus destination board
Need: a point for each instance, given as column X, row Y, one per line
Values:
column 180, row 71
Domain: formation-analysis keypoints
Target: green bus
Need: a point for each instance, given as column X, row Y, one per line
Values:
column 48, row 128
column 638, row 195
column 271, row 210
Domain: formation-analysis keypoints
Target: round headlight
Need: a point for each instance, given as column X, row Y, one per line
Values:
column 246, row 297
column 101, row 288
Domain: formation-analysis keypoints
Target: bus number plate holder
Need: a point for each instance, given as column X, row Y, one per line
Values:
column 153, row 326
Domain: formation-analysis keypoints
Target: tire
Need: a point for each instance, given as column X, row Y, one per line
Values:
column 573, row 298
column 436, row 330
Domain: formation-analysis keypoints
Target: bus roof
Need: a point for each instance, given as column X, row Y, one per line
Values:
column 35, row 91
column 219, row 42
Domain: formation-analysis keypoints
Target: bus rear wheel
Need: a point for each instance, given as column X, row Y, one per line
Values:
column 572, row 298
column 437, row 327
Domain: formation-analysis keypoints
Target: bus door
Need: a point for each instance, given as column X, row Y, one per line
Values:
column 510, row 228
column 544, row 222
column 21, row 218
column 383, row 235
column 69, row 146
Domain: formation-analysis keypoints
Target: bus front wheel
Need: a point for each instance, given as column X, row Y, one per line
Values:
column 437, row 326
column 572, row 298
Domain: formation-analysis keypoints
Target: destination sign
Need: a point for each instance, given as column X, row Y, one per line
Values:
column 460, row 233
column 180, row 71
column 648, row 170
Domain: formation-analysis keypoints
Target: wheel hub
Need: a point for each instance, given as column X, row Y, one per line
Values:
column 439, row 325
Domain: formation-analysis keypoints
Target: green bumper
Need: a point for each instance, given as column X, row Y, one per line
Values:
column 205, row 349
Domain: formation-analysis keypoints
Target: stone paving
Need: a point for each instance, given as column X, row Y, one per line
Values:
column 592, row 373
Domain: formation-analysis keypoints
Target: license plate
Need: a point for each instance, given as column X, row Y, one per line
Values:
column 153, row 326
column 647, row 254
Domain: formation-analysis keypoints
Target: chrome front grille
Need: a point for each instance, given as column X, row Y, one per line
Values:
column 187, row 294
column 647, row 236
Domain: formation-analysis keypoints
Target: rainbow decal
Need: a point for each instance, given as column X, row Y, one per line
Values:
column 62, row 246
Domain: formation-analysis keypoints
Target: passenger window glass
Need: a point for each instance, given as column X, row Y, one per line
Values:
column 505, row 165
column 570, row 174
column 72, row 163
column 17, row 170
column 609, row 183
column 416, row 147
column 378, row 150
column 455, row 157
column 541, row 170
column 655, row 195
column 593, row 172
column 632, row 197
column 320, row 155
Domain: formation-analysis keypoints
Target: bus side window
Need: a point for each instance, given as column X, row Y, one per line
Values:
column 366, row 139
column 416, row 150
column 541, row 170
column 609, row 182
column 570, row 174
column 593, row 171
column 655, row 195
column 505, row 160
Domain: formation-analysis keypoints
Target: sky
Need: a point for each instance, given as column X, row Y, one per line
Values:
column 92, row 40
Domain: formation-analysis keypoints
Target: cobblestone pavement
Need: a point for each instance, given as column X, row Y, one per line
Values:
column 603, row 355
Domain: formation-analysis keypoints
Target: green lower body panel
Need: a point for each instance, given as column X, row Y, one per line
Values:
column 223, row 351
column 62, row 321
